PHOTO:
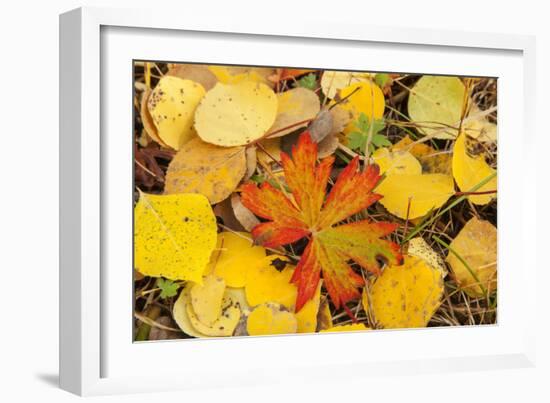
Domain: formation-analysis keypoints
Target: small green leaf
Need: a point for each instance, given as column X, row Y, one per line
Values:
column 167, row 288
column 357, row 140
column 309, row 82
column 381, row 79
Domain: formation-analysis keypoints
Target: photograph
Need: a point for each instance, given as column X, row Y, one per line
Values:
column 272, row 200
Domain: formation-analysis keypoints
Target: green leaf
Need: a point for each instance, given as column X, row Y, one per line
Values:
column 381, row 79
column 309, row 82
column 167, row 288
column 357, row 140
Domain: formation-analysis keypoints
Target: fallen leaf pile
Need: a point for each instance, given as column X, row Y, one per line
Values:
column 276, row 201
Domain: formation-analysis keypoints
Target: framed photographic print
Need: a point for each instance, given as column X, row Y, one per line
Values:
column 233, row 192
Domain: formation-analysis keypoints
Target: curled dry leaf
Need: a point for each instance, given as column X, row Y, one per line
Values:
column 321, row 126
column 405, row 296
column 237, row 114
column 469, row 171
column 333, row 81
column 174, row 235
column 436, row 104
column 172, row 107
column 324, row 318
column 207, row 169
column 294, row 106
column 224, row 212
column 195, row 72
column 269, row 319
column 362, row 97
column 328, row 146
column 476, row 244
column 235, row 255
column 157, row 333
column 243, row 215
column 269, row 151
column 346, row 328
column 147, row 120
column 432, row 160
column 251, row 162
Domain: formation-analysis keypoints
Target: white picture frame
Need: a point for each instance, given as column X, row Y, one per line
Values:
column 95, row 352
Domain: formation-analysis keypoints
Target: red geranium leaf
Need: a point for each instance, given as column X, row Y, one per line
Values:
column 308, row 214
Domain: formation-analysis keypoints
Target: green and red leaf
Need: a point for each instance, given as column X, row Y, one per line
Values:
column 308, row 214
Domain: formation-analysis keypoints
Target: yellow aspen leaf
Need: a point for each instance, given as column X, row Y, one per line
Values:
column 172, row 107
column 432, row 160
column 469, row 171
column 333, row 81
column 294, row 106
column 396, row 162
column 200, row 167
column 235, row 255
column 436, row 102
column 179, row 312
column 269, row 281
column 174, row 236
column 426, row 192
column 269, row 319
column 353, row 327
column 224, row 325
column 419, row 248
column 235, row 74
column 476, row 244
column 406, row 296
column 307, row 317
column 367, row 98
column 236, row 114
column 206, row 299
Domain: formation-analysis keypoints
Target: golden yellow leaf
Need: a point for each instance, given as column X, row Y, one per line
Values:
column 179, row 312
column 367, row 98
column 172, row 107
column 396, row 162
column 206, row 299
column 333, row 81
column 235, row 74
column 268, row 319
column 224, row 325
column 212, row 171
column 426, row 192
column 306, row 318
column 436, row 102
column 432, row 160
column 406, row 296
column 174, row 235
column 294, row 106
column 264, row 283
column 346, row 328
column 235, row 255
column 469, row 171
column 236, row 115
column 476, row 244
